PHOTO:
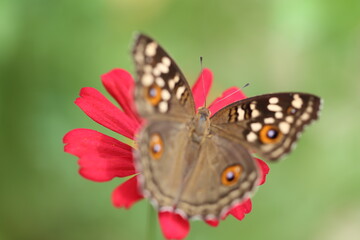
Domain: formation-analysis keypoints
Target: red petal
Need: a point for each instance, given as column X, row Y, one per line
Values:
column 173, row 225
column 229, row 96
column 102, row 111
column 125, row 195
column 101, row 157
column 120, row 84
column 213, row 223
column 202, row 87
column 240, row 210
column 264, row 168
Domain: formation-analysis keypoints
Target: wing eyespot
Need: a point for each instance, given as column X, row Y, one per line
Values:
column 156, row 146
column 291, row 110
column 231, row 175
column 270, row 134
column 153, row 94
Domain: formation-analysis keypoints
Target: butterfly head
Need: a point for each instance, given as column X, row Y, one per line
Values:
column 200, row 125
column 203, row 113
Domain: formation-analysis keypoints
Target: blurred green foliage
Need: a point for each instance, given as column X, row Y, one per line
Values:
column 50, row 49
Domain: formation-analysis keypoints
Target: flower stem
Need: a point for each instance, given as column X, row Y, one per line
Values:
column 151, row 223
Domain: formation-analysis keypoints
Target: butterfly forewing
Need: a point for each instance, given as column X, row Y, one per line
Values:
column 269, row 124
column 161, row 88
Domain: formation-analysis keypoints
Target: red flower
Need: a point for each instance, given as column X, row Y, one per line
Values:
column 101, row 158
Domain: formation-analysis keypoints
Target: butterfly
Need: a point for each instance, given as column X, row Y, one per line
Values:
column 200, row 166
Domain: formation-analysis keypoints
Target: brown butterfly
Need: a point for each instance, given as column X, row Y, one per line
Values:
column 201, row 166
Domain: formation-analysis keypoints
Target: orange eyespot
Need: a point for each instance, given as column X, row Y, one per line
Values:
column 231, row 175
column 153, row 94
column 156, row 146
column 270, row 134
column 291, row 110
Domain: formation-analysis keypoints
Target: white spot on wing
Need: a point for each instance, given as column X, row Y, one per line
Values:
column 279, row 115
column 252, row 105
column 173, row 81
column 269, row 120
column 160, row 82
column 255, row 113
column 165, row 95
column 162, row 68
column 289, row 119
column 150, row 50
column 241, row 113
column 297, row 102
column 176, row 78
column 251, row 137
column 305, row 116
column 180, row 91
column 256, row 126
column 166, row 61
column 284, row 127
column 163, row 107
column 274, row 107
column 156, row 71
column 147, row 80
column 273, row 100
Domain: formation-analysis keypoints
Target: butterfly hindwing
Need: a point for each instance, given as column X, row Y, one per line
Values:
column 199, row 181
column 225, row 175
column 161, row 88
column 161, row 160
column 269, row 124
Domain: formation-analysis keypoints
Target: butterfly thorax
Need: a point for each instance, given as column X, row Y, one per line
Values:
column 200, row 125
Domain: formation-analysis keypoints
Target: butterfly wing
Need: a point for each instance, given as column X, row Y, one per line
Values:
column 161, row 88
column 268, row 124
column 160, row 158
column 224, row 175
column 196, row 180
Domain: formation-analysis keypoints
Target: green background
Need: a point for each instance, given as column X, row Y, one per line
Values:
column 50, row 49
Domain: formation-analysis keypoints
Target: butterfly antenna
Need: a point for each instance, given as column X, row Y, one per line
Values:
column 247, row 84
column 220, row 100
column 202, row 80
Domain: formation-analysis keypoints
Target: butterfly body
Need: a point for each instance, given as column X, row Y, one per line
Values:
column 197, row 164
